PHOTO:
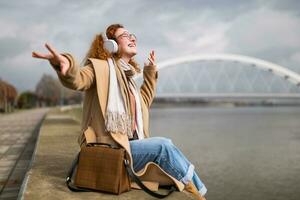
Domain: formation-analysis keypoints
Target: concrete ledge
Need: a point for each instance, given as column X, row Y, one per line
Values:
column 55, row 151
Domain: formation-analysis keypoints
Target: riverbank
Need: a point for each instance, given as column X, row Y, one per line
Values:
column 55, row 151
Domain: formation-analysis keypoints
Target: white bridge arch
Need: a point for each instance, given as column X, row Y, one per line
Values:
column 265, row 65
column 273, row 68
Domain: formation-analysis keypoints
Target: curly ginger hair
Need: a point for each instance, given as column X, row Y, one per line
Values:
column 97, row 50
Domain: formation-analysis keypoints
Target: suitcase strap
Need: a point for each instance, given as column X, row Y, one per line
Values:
column 140, row 183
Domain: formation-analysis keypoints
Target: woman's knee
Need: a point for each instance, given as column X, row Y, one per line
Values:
column 164, row 141
column 165, row 144
column 154, row 145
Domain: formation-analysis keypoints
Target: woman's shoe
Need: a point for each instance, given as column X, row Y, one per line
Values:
column 191, row 188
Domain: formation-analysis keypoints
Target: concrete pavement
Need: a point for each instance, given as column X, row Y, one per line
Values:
column 55, row 151
column 18, row 132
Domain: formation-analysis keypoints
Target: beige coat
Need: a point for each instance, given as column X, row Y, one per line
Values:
column 94, row 80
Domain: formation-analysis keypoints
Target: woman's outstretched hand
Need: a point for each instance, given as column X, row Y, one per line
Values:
column 55, row 59
column 151, row 59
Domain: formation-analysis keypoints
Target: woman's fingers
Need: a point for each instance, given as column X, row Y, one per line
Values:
column 152, row 52
column 151, row 61
column 152, row 55
column 52, row 50
column 152, row 58
column 53, row 53
column 59, row 62
column 42, row 56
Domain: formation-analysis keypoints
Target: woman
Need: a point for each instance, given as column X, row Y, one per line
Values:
column 115, row 111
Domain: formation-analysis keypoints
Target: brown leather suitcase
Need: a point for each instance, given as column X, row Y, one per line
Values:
column 102, row 168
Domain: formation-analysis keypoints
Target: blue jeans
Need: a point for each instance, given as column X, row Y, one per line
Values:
column 163, row 152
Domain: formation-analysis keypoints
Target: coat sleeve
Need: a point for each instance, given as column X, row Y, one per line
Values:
column 149, row 84
column 77, row 78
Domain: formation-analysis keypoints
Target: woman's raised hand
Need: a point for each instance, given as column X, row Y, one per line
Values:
column 151, row 59
column 55, row 59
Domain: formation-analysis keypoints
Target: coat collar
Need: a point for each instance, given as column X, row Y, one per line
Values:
column 102, row 78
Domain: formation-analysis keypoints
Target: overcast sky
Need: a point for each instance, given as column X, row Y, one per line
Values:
column 266, row 29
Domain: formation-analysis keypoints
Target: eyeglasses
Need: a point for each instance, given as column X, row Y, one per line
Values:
column 127, row 35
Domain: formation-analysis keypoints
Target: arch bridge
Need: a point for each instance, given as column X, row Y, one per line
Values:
column 225, row 76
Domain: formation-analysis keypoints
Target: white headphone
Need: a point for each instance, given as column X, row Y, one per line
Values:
column 110, row 45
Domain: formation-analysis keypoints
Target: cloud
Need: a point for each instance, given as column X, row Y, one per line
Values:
column 291, row 6
column 264, row 29
column 296, row 57
column 294, row 61
column 9, row 29
column 11, row 46
column 268, row 30
column 266, row 33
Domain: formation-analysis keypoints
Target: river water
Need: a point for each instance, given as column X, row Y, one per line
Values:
column 239, row 153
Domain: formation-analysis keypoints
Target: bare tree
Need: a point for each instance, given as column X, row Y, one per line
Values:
column 8, row 96
column 47, row 91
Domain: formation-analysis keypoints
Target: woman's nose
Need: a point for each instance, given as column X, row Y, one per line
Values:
column 132, row 39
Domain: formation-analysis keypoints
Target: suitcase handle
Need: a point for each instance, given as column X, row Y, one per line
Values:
column 92, row 144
